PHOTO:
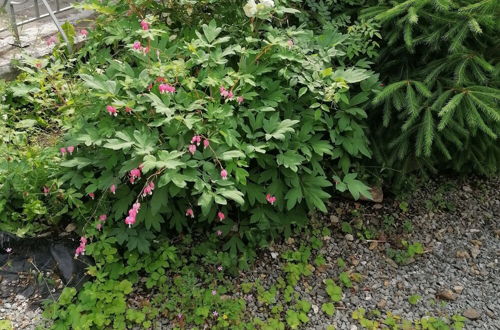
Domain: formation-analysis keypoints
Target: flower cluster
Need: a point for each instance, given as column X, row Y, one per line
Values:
column 132, row 214
column 148, row 190
column 137, row 46
column 229, row 95
column 135, row 174
column 102, row 218
column 111, row 110
column 252, row 8
column 190, row 213
column 80, row 250
column 144, row 25
column 65, row 150
column 195, row 142
column 271, row 199
column 221, row 216
column 166, row 88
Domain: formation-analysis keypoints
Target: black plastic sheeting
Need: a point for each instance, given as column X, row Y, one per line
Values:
column 25, row 263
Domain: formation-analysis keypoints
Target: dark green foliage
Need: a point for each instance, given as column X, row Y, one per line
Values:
column 439, row 108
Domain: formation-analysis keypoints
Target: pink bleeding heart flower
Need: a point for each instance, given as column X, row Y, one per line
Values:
column 166, row 88
column 38, row 65
column 190, row 213
column 51, row 40
column 46, row 190
column 132, row 213
column 148, row 190
column 206, row 143
column 271, row 199
column 98, row 226
column 192, row 149
column 223, row 92
column 144, row 25
column 196, row 139
column 134, row 174
column 91, row 195
column 111, row 110
column 221, row 216
column 103, row 217
column 137, row 45
column 223, row 174
column 71, row 149
column 145, row 50
column 230, row 95
column 84, row 32
column 240, row 99
column 290, row 43
column 112, row 189
column 63, row 151
column 79, row 251
column 128, row 110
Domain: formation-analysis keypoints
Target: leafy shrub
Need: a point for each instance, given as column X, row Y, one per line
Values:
column 233, row 133
column 439, row 108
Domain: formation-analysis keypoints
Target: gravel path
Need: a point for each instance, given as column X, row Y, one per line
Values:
column 462, row 249
column 458, row 224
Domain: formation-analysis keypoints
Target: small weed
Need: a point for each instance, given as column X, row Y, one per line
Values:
column 414, row 299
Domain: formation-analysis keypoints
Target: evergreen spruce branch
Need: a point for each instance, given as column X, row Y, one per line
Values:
column 450, row 136
column 488, row 110
column 398, row 100
column 409, row 122
column 485, row 90
column 441, row 147
column 432, row 76
column 442, row 5
column 411, row 100
column 443, row 96
column 387, row 114
column 458, row 38
column 388, row 91
column 478, row 73
column 485, row 4
column 471, row 115
column 428, row 126
column 460, row 71
column 394, row 11
column 419, row 141
column 479, row 123
column 458, row 128
column 483, row 63
column 474, row 26
column 424, row 91
column 408, row 38
column 412, row 15
column 452, row 104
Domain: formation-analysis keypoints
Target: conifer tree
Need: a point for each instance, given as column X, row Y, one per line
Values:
column 440, row 68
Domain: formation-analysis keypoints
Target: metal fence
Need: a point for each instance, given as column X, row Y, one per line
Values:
column 11, row 5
